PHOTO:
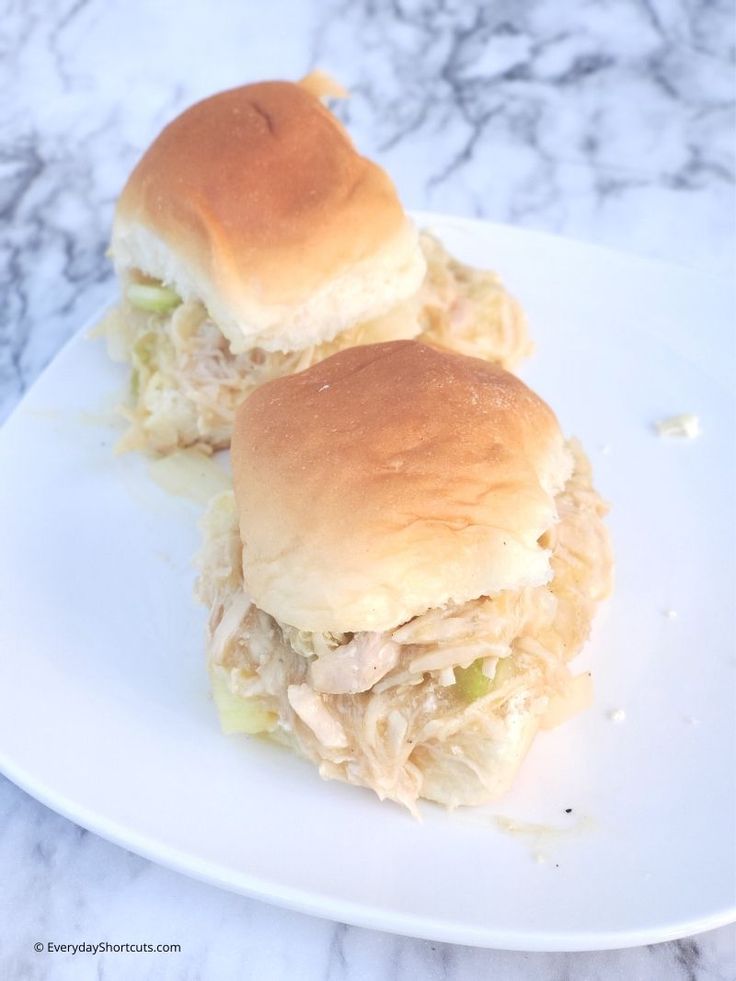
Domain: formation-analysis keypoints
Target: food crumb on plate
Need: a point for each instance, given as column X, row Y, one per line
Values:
column 617, row 715
column 686, row 425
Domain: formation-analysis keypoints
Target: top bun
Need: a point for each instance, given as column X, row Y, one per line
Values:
column 256, row 202
column 389, row 479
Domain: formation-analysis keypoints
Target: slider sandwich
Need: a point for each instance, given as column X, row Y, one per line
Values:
column 251, row 241
column 410, row 559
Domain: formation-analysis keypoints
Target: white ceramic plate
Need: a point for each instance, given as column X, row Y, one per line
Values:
column 104, row 710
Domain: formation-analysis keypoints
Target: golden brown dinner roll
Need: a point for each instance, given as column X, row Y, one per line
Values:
column 392, row 478
column 255, row 202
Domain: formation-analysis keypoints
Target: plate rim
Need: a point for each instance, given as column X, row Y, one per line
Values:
column 347, row 911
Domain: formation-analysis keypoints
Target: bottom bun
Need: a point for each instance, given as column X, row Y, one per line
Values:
column 443, row 707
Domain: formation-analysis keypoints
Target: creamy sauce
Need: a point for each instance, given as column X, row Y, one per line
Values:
column 190, row 474
column 541, row 833
column 107, row 416
column 684, row 426
column 543, row 840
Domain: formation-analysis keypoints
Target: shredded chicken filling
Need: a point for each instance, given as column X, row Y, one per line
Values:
column 186, row 383
column 437, row 707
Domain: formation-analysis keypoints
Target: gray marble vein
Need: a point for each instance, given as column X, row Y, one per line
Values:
column 610, row 121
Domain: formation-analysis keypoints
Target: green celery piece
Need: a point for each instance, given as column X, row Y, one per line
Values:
column 238, row 714
column 471, row 682
column 153, row 299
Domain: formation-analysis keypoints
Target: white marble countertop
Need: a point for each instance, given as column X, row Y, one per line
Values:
column 609, row 122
